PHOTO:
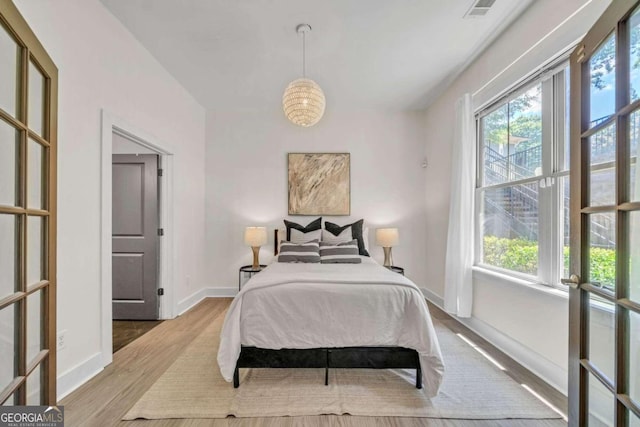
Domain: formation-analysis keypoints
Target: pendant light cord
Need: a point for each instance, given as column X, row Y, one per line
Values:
column 304, row 53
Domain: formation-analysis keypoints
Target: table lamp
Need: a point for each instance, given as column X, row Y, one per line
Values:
column 255, row 237
column 387, row 238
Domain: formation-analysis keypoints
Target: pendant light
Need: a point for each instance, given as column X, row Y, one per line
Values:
column 303, row 100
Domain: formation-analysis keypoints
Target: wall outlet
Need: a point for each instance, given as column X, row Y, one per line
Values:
column 61, row 344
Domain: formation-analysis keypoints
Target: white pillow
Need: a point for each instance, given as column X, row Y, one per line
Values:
column 365, row 237
column 298, row 236
column 329, row 237
column 282, row 235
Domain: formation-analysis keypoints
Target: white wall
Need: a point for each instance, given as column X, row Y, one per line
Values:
column 102, row 66
column 122, row 145
column 247, row 180
column 534, row 320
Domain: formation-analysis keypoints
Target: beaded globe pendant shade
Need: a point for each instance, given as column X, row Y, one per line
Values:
column 303, row 100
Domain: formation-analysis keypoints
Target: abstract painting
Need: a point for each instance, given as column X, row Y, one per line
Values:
column 319, row 184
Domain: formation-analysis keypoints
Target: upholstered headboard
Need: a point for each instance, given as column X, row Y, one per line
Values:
column 278, row 234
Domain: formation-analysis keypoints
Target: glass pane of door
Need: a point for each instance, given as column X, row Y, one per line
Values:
column 35, row 250
column 602, row 250
column 34, row 325
column 9, row 149
column 36, row 99
column 601, row 404
column 7, row 345
column 603, row 81
column 35, row 170
column 634, row 55
column 8, row 255
column 9, row 62
column 634, row 256
column 634, row 152
column 602, row 147
column 602, row 332
column 34, row 380
column 634, row 357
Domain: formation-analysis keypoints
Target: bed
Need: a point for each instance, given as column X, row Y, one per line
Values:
column 330, row 316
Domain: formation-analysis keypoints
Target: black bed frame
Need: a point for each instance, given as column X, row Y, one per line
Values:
column 344, row 357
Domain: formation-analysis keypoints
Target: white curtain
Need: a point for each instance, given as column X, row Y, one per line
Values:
column 458, row 291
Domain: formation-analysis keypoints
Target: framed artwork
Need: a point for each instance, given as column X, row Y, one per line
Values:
column 319, row 183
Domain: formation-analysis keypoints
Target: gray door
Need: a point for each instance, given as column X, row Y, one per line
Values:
column 135, row 237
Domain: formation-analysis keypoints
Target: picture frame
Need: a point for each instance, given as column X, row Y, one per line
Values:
column 319, row 183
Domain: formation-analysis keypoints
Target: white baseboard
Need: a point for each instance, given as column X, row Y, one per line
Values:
column 554, row 375
column 75, row 377
column 433, row 297
column 193, row 299
column 222, row 292
column 190, row 301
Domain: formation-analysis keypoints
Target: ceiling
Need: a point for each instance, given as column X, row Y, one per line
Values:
column 365, row 54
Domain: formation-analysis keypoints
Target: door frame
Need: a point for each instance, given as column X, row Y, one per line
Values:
column 166, row 280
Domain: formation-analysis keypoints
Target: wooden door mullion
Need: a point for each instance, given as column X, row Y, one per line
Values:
column 584, row 223
column 623, row 50
column 20, row 311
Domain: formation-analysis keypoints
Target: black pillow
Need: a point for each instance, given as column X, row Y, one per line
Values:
column 312, row 226
column 356, row 233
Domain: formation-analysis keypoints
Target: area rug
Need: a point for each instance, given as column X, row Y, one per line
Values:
column 472, row 388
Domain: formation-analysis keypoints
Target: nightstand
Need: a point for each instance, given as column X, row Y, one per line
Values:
column 396, row 269
column 248, row 270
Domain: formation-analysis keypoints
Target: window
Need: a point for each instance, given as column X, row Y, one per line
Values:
column 522, row 189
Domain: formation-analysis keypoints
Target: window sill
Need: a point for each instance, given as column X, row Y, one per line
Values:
column 487, row 274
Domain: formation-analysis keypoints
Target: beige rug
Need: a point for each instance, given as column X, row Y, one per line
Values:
column 472, row 389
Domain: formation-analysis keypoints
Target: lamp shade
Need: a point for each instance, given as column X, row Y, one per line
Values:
column 255, row 236
column 303, row 102
column 387, row 237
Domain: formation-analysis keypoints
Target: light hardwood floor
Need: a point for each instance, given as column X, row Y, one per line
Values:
column 107, row 397
column 126, row 331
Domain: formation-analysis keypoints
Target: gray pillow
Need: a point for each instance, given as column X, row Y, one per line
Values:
column 299, row 252
column 340, row 253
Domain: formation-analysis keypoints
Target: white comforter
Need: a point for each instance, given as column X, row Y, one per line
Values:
column 331, row 305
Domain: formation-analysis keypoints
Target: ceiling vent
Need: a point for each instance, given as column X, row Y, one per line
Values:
column 479, row 8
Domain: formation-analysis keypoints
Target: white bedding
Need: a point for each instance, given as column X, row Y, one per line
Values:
column 331, row 305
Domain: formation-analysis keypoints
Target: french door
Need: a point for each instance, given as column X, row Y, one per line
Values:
column 28, row 127
column 604, row 301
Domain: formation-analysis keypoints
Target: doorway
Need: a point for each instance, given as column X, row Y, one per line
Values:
column 137, row 239
column 136, row 180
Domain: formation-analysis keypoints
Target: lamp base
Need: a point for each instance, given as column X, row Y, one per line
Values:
column 256, row 262
column 388, row 258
